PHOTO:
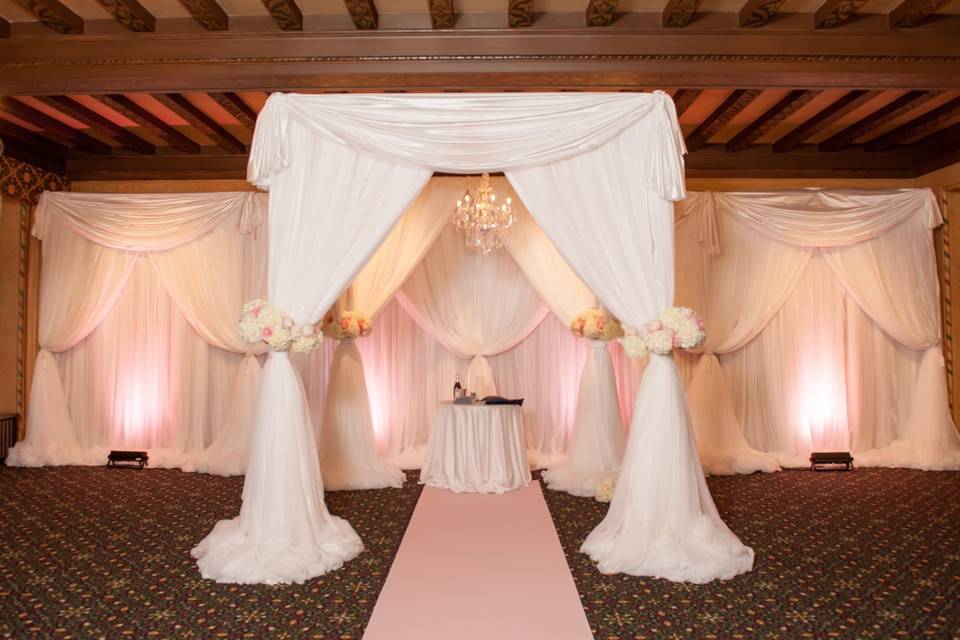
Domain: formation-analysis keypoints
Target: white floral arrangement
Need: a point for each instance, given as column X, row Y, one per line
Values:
column 605, row 488
column 594, row 324
column 674, row 328
column 260, row 321
column 350, row 325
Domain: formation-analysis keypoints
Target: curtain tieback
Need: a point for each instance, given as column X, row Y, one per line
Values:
column 674, row 328
column 262, row 323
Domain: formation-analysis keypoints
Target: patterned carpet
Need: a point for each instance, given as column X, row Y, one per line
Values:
column 870, row 554
column 105, row 553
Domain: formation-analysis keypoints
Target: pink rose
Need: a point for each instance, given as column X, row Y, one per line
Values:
column 676, row 341
column 699, row 322
column 307, row 330
column 256, row 312
column 653, row 325
column 266, row 333
column 345, row 324
column 287, row 323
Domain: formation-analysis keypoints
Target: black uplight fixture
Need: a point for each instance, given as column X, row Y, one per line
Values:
column 138, row 459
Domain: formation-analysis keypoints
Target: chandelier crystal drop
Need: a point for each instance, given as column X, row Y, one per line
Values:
column 482, row 220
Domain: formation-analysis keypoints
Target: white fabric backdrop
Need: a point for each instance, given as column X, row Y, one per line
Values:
column 825, row 308
column 93, row 243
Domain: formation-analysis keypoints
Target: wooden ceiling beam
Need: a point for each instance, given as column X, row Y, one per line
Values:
column 878, row 118
column 196, row 117
column 55, row 15
column 133, row 111
column 441, row 14
column 208, row 13
column 833, row 13
column 683, row 98
column 849, row 102
column 25, row 153
column 520, row 13
column 679, row 13
column 54, row 128
column 4, row 28
column 756, row 13
column 936, row 151
column 98, row 123
column 363, row 13
column 131, row 14
column 736, row 102
column 773, row 116
column 32, row 140
column 919, row 127
column 600, row 13
column 910, row 13
column 237, row 107
column 285, row 13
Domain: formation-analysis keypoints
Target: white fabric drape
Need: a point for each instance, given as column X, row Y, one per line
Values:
column 348, row 453
column 817, row 299
column 474, row 305
column 467, row 133
column 85, row 273
column 626, row 258
column 328, row 213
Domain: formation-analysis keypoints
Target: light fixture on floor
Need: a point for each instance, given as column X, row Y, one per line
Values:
column 482, row 220
column 128, row 458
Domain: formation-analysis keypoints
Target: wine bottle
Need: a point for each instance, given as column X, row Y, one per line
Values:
column 457, row 389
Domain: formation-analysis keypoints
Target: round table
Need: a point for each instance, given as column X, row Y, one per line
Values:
column 476, row 449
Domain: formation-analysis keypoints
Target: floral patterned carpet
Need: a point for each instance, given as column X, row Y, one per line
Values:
column 105, row 553
column 874, row 553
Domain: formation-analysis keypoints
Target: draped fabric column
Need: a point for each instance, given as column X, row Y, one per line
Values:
column 329, row 210
column 91, row 244
column 567, row 155
column 348, row 451
column 598, row 434
column 628, row 261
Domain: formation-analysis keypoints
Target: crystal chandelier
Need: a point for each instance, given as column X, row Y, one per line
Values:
column 483, row 222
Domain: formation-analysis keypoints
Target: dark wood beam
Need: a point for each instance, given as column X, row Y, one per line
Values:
column 600, row 13
column 208, row 13
column 910, row 13
column 441, row 14
column 824, row 118
column 878, row 118
column 734, row 104
column 756, row 13
column 683, row 98
column 833, row 13
column 57, row 129
column 133, row 111
column 4, row 28
column 773, row 116
column 678, row 13
column 131, row 14
column 285, row 13
column 363, row 13
column 32, row 140
column 520, row 13
column 207, row 125
column 482, row 59
column 936, row 151
column 237, row 107
column 98, row 123
column 55, row 15
column 919, row 127
column 25, row 153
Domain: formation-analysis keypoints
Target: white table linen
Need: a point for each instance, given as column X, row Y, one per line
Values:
column 476, row 449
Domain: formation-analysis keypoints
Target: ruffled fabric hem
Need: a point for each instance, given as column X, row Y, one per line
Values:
column 23, row 454
column 229, row 555
column 577, row 482
column 745, row 461
column 699, row 554
column 378, row 475
column 903, row 453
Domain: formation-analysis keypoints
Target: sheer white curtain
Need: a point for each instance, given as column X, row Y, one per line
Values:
column 598, row 437
column 329, row 210
column 629, row 264
column 91, row 244
column 474, row 305
column 348, row 450
column 627, row 258
column 825, row 306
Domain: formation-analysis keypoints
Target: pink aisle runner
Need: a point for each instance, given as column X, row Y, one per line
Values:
column 478, row 566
